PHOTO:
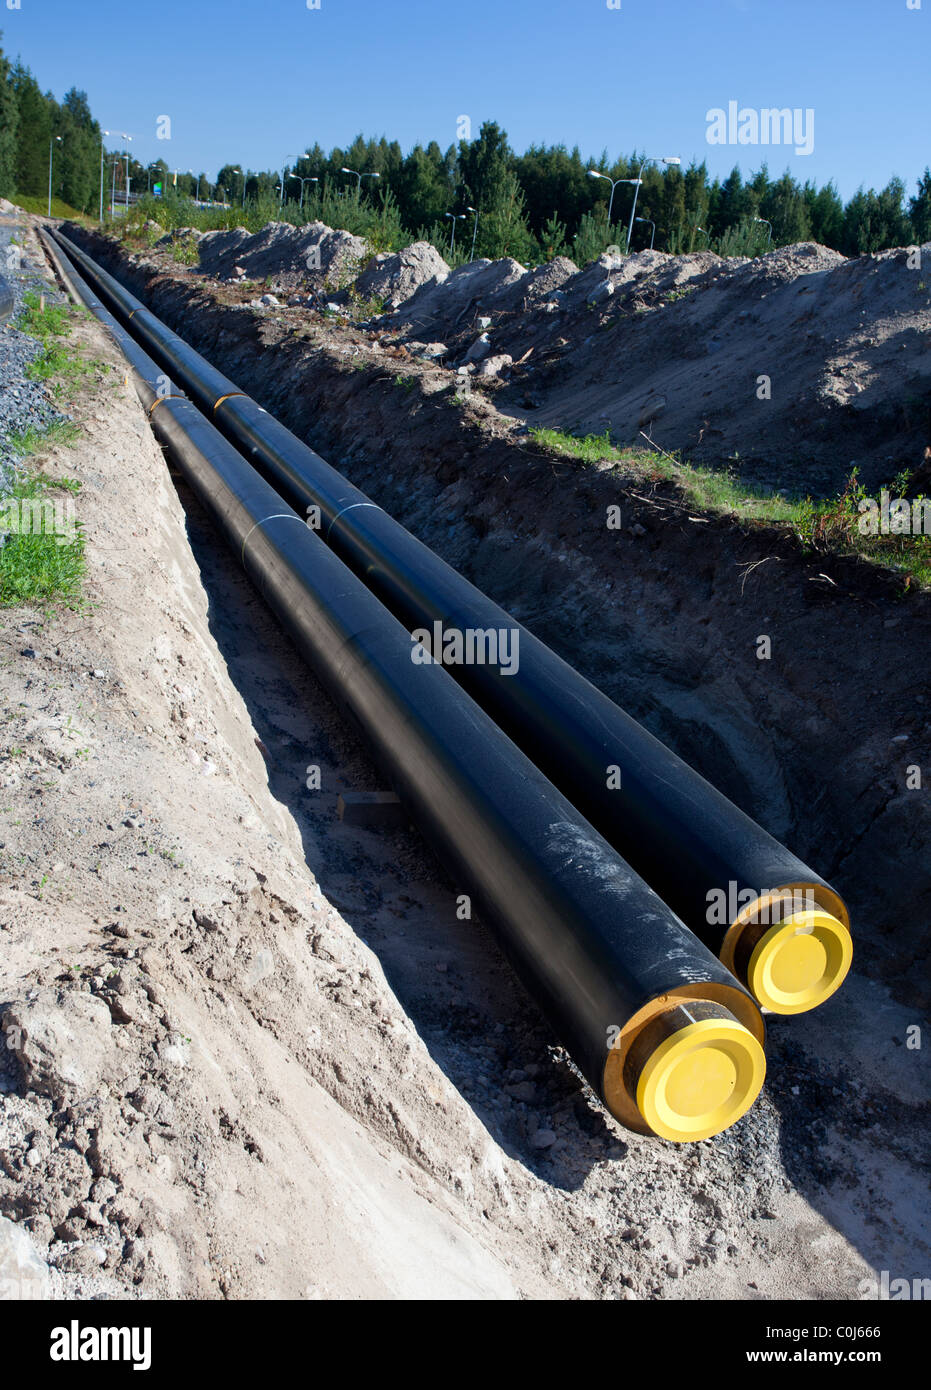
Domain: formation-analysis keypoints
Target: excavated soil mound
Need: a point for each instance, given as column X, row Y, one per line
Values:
column 291, row 256
column 396, row 277
column 791, row 368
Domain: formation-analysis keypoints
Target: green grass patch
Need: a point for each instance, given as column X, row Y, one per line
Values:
column 828, row 526
column 43, row 320
column 38, row 205
column 60, row 368
column 589, row 448
column 42, row 557
column 35, row 441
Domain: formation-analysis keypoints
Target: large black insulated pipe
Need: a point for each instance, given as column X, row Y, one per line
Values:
column 152, row 384
column 662, row 1031
column 780, row 927
column 670, row 1041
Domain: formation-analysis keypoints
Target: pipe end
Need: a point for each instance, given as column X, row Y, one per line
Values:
column 799, row 963
column 701, row 1070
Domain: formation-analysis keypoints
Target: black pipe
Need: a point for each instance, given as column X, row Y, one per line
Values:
column 610, row 965
column 152, row 384
column 777, row 924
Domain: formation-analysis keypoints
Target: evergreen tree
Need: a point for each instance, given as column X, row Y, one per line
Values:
column 920, row 210
column 9, row 125
column 36, row 126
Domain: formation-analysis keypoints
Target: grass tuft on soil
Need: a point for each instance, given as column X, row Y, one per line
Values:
column 42, row 550
column 833, row 525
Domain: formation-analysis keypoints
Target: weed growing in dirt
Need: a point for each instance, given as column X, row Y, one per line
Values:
column 589, row 448
column 184, row 251
column 61, row 368
column 363, row 309
column 835, row 525
column 37, row 564
column 829, row 526
column 72, row 485
column 36, row 441
column 43, row 320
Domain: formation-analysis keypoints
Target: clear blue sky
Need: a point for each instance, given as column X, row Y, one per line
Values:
column 259, row 80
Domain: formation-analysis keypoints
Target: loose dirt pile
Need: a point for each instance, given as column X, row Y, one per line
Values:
column 789, row 369
column 394, row 278
column 289, row 257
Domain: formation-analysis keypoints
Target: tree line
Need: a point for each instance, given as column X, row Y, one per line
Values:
column 532, row 206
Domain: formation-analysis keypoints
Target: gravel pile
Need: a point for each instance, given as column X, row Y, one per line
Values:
column 22, row 402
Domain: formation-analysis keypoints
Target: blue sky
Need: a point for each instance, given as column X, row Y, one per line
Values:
column 259, row 80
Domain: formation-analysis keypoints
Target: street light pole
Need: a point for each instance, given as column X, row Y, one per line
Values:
column 651, row 159
column 474, row 232
column 653, row 225
column 302, row 181
column 769, row 225
column 51, row 146
column 594, row 174
column 123, row 136
column 359, row 177
column 114, row 165
column 454, row 217
column 127, row 182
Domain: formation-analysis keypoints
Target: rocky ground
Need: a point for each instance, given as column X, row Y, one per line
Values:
column 251, row 1051
column 24, row 404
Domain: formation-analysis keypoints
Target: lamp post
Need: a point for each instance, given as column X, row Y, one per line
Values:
column 302, row 181
column 769, row 225
column 652, row 159
column 653, row 225
column 51, row 145
column 594, row 174
column 287, row 160
column 454, row 218
column 114, row 165
column 239, row 171
column 359, row 177
column 474, row 232
column 696, row 228
column 126, row 205
column 123, row 136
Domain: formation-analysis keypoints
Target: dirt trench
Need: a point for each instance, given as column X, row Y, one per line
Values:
column 296, row 956
column 817, row 743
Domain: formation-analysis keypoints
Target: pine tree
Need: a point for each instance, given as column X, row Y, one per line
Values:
column 920, row 209
column 9, row 124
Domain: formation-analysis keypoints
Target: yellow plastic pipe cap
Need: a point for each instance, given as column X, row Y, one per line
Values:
column 701, row 1079
column 800, row 962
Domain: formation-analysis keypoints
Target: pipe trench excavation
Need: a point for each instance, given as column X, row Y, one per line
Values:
column 662, row 1031
column 778, row 926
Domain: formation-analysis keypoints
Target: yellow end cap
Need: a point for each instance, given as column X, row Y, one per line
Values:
column 800, row 962
column 701, row 1079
